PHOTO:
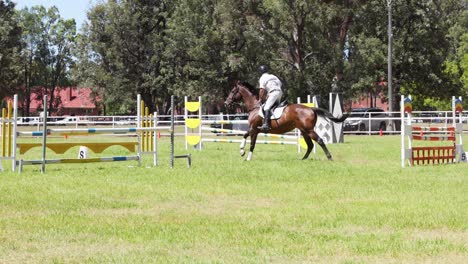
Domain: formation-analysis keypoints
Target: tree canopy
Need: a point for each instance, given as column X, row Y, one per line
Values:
column 10, row 35
column 46, row 55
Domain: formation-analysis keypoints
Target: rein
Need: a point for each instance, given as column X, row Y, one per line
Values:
column 255, row 106
column 250, row 101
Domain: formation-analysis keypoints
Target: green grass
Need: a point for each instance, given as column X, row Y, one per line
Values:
column 360, row 208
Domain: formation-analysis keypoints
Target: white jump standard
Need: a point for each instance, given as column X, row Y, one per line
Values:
column 422, row 155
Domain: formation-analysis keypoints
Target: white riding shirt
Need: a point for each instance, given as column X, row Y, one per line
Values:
column 272, row 85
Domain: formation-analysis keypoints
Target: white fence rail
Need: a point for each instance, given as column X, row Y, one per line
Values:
column 371, row 124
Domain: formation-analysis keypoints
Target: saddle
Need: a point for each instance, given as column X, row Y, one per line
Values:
column 276, row 110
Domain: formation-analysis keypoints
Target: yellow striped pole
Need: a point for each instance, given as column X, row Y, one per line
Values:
column 142, row 124
column 10, row 127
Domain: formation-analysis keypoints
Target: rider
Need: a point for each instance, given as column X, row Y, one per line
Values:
column 271, row 85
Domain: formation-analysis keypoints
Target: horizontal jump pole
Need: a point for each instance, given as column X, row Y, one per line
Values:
column 224, row 122
column 86, row 131
column 434, row 138
column 266, row 142
column 433, row 129
column 220, row 130
column 89, row 160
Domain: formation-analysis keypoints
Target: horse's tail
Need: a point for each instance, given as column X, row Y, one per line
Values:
column 324, row 113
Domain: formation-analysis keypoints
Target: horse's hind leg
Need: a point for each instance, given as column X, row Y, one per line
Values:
column 244, row 141
column 321, row 144
column 310, row 145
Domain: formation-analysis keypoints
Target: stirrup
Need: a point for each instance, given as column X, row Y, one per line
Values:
column 264, row 128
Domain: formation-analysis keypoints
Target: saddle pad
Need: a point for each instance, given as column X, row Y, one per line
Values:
column 277, row 112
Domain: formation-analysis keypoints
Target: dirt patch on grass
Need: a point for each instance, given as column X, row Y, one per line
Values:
column 212, row 205
column 55, row 250
column 457, row 237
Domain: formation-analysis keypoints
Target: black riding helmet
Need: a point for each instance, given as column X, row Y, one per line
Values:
column 263, row 69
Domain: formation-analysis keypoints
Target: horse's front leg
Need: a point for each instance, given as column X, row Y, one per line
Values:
column 253, row 140
column 243, row 143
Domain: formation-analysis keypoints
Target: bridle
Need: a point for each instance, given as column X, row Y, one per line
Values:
column 235, row 97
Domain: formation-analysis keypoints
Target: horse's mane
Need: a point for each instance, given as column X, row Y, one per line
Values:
column 250, row 87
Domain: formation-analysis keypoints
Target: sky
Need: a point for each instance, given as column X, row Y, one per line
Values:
column 68, row 8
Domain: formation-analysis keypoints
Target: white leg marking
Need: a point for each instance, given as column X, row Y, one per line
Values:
column 242, row 146
column 249, row 157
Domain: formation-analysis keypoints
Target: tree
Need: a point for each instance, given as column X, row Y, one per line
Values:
column 420, row 46
column 456, row 64
column 205, row 52
column 292, row 25
column 46, row 57
column 126, row 43
column 309, row 40
column 10, row 46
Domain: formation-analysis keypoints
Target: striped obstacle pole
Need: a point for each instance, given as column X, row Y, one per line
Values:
column 265, row 142
column 21, row 163
column 430, row 154
column 220, row 131
column 91, row 131
column 240, row 132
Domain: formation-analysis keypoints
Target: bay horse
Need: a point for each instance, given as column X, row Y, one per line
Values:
column 297, row 116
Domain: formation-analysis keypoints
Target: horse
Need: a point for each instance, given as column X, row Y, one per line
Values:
column 297, row 116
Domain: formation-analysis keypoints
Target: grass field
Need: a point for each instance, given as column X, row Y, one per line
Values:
column 360, row 208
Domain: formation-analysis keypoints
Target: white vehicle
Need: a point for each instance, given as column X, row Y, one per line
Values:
column 361, row 118
column 68, row 120
column 121, row 121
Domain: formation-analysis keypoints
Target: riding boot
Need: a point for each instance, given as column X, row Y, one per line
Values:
column 266, row 122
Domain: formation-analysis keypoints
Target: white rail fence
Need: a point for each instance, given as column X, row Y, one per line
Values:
column 371, row 124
